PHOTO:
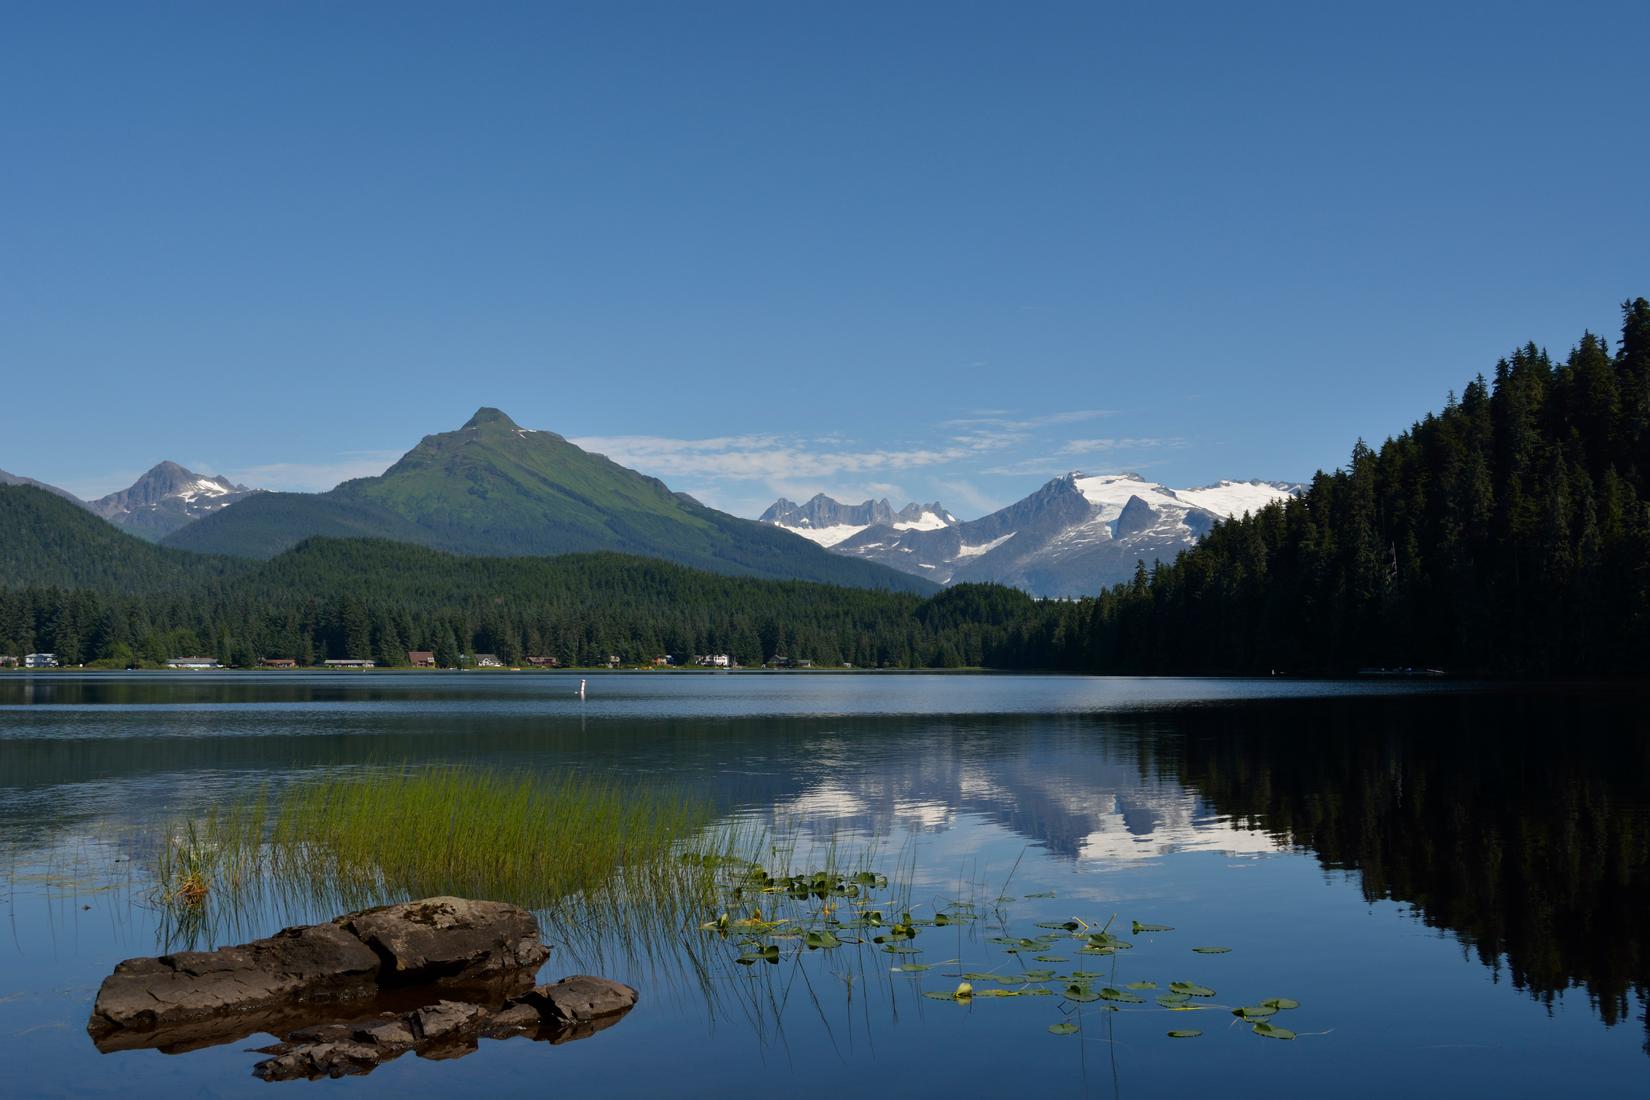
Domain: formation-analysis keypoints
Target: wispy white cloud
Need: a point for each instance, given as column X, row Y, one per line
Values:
column 1008, row 421
column 772, row 458
column 1127, row 443
column 1117, row 452
column 314, row 477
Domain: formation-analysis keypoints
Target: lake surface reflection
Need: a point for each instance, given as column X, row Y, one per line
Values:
column 1452, row 880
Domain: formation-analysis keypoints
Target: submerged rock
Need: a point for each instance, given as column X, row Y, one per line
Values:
column 580, row 999
column 556, row 1013
column 430, row 976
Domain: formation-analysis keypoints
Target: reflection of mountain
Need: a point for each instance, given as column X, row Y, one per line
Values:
column 1081, row 798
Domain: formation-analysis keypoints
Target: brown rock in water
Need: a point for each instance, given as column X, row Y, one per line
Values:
column 449, row 939
column 579, row 999
column 318, row 964
column 193, row 995
column 432, row 977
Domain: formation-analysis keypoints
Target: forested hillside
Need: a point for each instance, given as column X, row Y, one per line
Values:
column 47, row 540
column 377, row 599
column 1507, row 534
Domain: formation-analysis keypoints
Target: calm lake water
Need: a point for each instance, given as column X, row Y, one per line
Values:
column 1453, row 881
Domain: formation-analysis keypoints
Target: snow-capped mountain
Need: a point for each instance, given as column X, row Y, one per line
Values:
column 165, row 499
column 829, row 522
column 1072, row 537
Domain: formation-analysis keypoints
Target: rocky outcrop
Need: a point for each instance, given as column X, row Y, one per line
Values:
column 449, row 940
column 488, row 949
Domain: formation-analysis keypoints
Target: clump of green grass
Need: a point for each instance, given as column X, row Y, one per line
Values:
column 357, row 840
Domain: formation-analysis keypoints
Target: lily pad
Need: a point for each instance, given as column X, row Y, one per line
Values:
column 1271, row 1032
column 1281, row 1003
column 1211, row 950
column 1141, row 985
column 1254, row 1012
column 1042, row 894
column 1191, row 989
column 1067, row 1028
column 1141, row 926
column 1184, row 1034
column 1118, row 995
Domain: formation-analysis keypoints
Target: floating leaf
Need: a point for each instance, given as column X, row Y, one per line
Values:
column 1110, row 994
column 1141, row 985
column 1172, row 1000
column 1042, row 894
column 1211, row 950
column 1038, row 975
column 935, row 995
column 1081, row 994
column 814, row 941
column 1191, row 989
column 1067, row 1028
column 1254, row 1012
column 1184, row 1034
column 1140, row 927
column 1271, row 1032
column 1281, row 1003
column 1049, row 958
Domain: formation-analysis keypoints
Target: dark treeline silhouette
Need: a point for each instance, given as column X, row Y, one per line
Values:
column 1534, row 851
column 1508, row 534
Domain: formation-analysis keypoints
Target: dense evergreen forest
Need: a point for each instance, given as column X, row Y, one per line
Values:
column 1508, row 534
column 331, row 598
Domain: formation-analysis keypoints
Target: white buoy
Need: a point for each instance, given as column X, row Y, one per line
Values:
column 581, row 689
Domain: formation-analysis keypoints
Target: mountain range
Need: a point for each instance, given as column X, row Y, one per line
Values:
column 494, row 488
column 1069, row 538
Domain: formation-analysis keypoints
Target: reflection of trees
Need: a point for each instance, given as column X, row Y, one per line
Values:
column 1519, row 824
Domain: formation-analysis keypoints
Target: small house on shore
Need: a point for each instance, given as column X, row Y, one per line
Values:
column 9, row 662
column 421, row 658
column 277, row 662
column 40, row 660
column 544, row 662
column 488, row 660
column 351, row 663
column 713, row 660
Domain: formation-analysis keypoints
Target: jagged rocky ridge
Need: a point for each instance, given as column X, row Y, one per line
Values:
column 829, row 522
column 166, row 498
column 1073, row 536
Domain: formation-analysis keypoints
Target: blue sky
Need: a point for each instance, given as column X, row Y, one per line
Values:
column 938, row 250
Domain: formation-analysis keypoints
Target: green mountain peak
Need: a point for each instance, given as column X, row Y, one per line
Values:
column 488, row 415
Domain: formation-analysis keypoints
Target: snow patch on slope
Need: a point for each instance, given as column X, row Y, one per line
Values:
column 1234, row 498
